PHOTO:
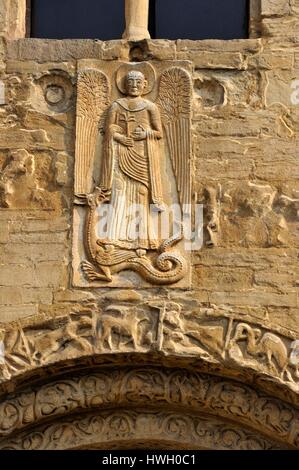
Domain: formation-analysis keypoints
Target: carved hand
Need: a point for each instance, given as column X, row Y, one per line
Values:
column 139, row 134
column 122, row 139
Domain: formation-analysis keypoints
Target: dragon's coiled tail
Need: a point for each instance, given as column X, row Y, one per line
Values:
column 167, row 268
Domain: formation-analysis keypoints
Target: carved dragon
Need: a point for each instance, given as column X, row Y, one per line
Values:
column 167, row 268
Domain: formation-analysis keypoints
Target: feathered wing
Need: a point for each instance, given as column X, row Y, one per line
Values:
column 93, row 94
column 175, row 95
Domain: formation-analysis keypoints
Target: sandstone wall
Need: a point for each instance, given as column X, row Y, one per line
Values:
column 244, row 140
column 246, row 172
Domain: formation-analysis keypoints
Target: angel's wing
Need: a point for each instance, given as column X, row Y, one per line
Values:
column 174, row 101
column 93, row 94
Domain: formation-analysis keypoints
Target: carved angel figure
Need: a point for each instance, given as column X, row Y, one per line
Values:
column 136, row 132
column 131, row 166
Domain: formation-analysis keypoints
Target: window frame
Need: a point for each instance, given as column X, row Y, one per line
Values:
column 28, row 18
column 22, row 15
column 254, row 19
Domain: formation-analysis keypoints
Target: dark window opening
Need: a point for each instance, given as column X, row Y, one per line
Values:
column 77, row 19
column 202, row 19
column 168, row 19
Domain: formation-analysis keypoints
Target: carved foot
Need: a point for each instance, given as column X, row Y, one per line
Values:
column 93, row 275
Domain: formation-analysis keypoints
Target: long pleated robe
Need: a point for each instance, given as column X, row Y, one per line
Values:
column 132, row 174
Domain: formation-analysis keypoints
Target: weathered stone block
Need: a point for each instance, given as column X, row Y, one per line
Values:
column 51, row 274
column 275, row 7
column 13, row 18
column 10, row 314
column 4, row 232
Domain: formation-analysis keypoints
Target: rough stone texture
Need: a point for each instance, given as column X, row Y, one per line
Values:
column 241, row 316
column 13, row 18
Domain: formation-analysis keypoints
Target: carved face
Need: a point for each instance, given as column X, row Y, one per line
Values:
column 135, row 83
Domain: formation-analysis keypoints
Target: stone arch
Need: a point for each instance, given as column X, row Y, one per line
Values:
column 64, row 385
column 120, row 406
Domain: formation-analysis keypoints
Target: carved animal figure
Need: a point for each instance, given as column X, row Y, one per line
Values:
column 181, row 332
column 53, row 342
column 268, row 345
column 125, row 324
column 173, row 328
column 13, row 168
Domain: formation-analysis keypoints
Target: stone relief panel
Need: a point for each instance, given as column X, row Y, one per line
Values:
column 36, row 130
column 159, row 327
column 258, row 215
column 249, row 214
column 132, row 174
column 209, row 92
column 19, row 182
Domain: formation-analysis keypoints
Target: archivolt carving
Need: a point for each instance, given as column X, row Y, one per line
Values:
column 267, row 346
column 124, row 427
column 161, row 327
column 145, row 389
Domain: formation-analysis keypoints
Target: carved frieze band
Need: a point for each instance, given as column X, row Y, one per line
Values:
column 162, row 327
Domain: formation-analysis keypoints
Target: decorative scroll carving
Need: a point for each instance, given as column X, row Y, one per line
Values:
column 124, row 427
column 145, row 387
column 129, row 188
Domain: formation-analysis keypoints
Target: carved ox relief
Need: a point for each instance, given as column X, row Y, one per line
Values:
column 133, row 157
column 123, row 322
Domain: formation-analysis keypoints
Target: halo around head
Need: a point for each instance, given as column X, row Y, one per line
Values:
column 143, row 67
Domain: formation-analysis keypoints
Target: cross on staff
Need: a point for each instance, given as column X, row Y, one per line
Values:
column 128, row 119
column 136, row 20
